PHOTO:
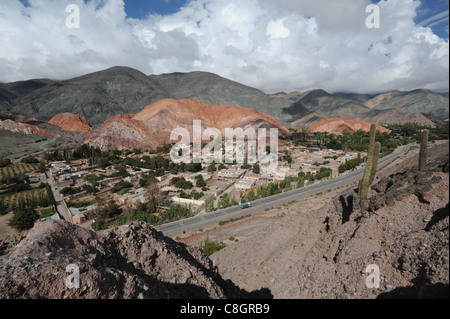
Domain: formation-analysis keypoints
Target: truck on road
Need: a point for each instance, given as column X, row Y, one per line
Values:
column 246, row 205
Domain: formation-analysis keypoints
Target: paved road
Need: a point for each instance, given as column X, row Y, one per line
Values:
column 62, row 211
column 260, row 205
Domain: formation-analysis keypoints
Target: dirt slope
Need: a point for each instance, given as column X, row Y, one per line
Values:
column 324, row 253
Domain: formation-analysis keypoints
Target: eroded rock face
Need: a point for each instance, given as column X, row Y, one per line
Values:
column 131, row 262
column 339, row 125
column 71, row 122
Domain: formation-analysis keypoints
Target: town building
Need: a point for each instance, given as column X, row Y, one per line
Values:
column 36, row 177
column 229, row 174
column 245, row 184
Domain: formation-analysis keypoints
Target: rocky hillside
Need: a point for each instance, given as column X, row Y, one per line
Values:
column 97, row 96
column 152, row 126
column 325, row 253
column 327, row 105
column 28, row 129
column 395, row 116
column 124, row 132
column 130, row 262
column 306, row 121
column 432, row 104
column 380, row 99
column 339, row 125
column 71, row 122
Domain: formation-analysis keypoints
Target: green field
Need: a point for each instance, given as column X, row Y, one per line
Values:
column 11, row 201
column 18, row 169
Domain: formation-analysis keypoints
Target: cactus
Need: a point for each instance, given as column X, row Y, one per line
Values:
column 423, row 150
column 365, row 182
column 376, row 157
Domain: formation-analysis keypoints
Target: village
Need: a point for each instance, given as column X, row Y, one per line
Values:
column 80, row 185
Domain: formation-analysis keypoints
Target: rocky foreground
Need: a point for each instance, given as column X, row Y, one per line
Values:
column 130, row 262
column 325, row 253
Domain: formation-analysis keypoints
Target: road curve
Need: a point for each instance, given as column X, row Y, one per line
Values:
column 199, row 221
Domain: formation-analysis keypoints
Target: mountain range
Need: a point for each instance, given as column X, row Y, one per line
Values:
column 102, row 95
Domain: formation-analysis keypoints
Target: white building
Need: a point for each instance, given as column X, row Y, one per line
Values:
column 245, row 184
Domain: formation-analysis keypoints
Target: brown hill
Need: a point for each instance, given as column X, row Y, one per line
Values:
column 28, row 129
column 71, row 122
column 153, row 126
column 339, row 125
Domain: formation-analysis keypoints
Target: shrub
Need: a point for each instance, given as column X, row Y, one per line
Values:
column 210, row 247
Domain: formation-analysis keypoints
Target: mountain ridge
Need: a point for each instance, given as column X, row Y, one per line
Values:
column 120, row 90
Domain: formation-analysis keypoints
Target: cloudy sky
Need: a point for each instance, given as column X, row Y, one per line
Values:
column 282, row 45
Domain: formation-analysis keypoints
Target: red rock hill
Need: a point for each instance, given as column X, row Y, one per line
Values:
column 152, row 126
column 71, row 122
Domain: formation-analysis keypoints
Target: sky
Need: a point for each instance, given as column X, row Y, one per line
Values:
column 283, row 45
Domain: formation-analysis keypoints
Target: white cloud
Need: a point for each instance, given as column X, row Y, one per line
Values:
column 277, row 30
column 273, row 45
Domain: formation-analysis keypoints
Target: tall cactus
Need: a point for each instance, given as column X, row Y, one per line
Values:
column 376, row 157
column 365, row 182
column 423, row 150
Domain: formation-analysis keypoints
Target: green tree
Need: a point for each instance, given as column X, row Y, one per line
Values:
column 301, row 181
column 209, row 206
column 194, row 167
column 225, row 201
column 42, row 167
column 99, row 225
column 5, row 162
column 3, row 206
column 23, row 218
column 200, row 182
